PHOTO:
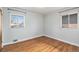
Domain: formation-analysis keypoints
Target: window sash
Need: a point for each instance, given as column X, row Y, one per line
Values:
column 70, row 21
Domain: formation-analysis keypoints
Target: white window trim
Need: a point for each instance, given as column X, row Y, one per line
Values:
column 69, row 19
column 16, row 14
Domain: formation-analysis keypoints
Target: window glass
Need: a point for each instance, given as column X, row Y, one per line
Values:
column 73, row 19
column 65, row 21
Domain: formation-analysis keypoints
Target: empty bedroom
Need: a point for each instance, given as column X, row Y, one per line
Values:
column 40, row 29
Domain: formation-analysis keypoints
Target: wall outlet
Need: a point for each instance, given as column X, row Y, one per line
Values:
column 15, row 40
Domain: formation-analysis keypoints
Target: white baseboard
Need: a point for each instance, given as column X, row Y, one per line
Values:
column 39, row 36
column 63, row 40
column 20, row 40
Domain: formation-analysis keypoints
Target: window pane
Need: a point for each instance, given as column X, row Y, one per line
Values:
column 73, row 19
column 17, row 21
column 65, row 19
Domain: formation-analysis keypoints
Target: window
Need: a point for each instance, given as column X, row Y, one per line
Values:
column 17, row 21
column 69, row 21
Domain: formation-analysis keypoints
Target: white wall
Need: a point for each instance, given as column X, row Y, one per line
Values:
column 38, row 25
column 33, row 27
column 53, row 29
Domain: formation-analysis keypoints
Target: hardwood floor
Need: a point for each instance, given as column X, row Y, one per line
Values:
column 41, row 44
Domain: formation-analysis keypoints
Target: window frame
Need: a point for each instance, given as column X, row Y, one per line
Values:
column 19, row 15
column 69, row 20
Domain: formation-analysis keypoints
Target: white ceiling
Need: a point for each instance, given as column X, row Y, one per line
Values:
column 42, row 10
